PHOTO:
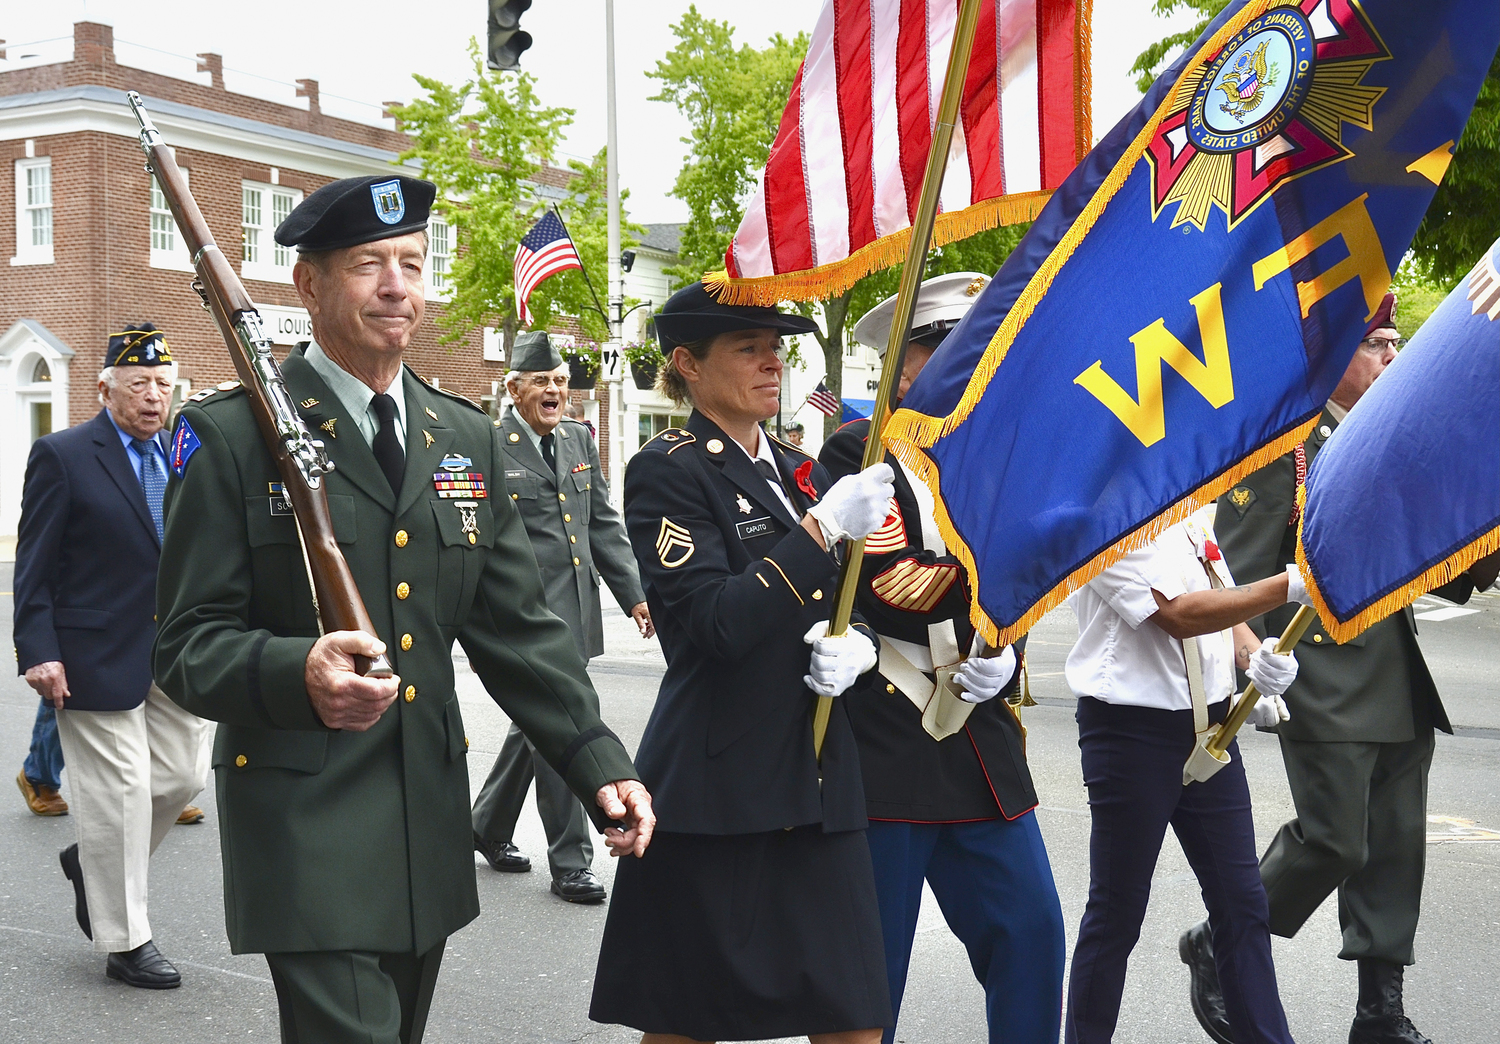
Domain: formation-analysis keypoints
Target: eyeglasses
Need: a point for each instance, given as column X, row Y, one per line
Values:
column 544, row 380
column 1378, row 345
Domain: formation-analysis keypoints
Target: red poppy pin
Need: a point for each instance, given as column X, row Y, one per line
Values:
column 1211, row 549
column 804, row 478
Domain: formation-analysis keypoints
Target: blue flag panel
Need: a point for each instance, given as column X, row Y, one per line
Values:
column 1406, row 494
column 1182, row 308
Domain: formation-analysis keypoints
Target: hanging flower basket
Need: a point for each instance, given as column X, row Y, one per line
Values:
column 645, row 359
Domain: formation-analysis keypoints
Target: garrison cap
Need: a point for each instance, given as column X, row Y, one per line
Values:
column 941, row 302
column 1385, row 315
column 534, row 352
column 139, row 344
column 694, row 314
column 352, row 211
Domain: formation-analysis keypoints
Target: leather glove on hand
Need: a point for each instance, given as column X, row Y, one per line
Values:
column 836, row 662
column 1272, row 674
column 1296, row 590
column 856, row 505
column 982, row 679
column 1268, row 712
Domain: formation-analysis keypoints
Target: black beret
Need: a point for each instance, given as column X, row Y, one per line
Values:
column 351, row 211
column 693, row 314
column 140, row 344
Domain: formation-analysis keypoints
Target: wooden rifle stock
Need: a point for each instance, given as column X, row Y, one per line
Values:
column 299, row 457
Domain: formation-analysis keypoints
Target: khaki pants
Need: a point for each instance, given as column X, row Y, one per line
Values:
column 130, row 775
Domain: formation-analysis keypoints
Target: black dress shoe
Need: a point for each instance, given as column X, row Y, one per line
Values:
column 143, row 967
column 1197, row 951
column 581, row 886
column 502, row 856
column 73, row 872
column 1380, row 1016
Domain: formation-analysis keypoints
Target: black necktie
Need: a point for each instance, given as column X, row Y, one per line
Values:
column 547, row 454
column 387, row 446
column 768, row 470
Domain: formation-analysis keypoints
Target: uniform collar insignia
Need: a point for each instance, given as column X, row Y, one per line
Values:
column 328, row 427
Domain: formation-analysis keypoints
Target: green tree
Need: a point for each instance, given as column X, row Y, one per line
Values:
column 1460, row 222
column 483, row 143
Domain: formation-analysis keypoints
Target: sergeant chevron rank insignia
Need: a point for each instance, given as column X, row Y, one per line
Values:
column 674, row 545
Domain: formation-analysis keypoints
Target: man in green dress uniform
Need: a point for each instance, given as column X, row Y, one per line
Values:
column 344, row 800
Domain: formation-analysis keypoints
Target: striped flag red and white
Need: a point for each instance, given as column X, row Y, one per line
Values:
column 823, row 400
column 844, row 175
column 544, row 251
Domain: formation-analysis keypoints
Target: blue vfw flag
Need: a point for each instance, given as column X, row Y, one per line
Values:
column 1188, row 299
column 1406, row 494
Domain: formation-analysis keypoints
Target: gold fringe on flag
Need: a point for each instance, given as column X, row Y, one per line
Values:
column 1399, row 597
column 816, row 284
column 1210, row 491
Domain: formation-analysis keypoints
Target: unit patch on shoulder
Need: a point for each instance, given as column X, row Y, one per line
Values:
column 1240, row 498
column 674, row 544
column 184, row 444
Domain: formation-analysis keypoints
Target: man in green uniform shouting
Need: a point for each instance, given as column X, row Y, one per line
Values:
column 344, row 800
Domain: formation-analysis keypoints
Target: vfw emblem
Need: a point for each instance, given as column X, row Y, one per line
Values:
column 390, row 205
column 1268, row 107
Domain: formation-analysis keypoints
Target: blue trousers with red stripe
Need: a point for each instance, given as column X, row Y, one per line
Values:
column 994, row 885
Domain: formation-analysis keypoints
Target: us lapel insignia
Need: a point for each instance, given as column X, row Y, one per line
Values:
column 328, row 427
column 674, row 544
column 742, row 503
column 428, row 436
column 308, row 404
column 428, row 410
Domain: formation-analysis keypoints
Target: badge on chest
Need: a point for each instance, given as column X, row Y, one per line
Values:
column 468, row 511
column 457, row 482
column 755, row 527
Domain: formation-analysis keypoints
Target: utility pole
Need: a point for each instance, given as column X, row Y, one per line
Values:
column 616, row 277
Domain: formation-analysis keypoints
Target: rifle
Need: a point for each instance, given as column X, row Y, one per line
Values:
column 300, row 458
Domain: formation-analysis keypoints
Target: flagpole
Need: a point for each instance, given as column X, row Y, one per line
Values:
column 583, row 270
column 906, row 299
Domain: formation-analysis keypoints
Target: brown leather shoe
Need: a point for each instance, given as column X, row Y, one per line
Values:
column 191, row 814
column 43, row 800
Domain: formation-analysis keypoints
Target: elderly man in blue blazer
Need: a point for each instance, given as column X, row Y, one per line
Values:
column 86, row 558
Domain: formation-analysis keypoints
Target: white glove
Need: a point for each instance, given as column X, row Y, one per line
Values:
column 982, row 679
column 1268, row 712
column 836, row 662
column 856, row 505
column 1296, row 590
column 1272, row 674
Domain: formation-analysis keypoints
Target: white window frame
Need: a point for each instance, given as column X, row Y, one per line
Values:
column 273, row 263
column 439, row 284
column 175, row 256
column 28, row 253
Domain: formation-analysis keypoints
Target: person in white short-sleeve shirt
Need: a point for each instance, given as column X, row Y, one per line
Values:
column 1135, row 730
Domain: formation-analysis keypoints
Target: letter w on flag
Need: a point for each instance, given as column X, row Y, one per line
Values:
column 545, row 251
column 844, row 174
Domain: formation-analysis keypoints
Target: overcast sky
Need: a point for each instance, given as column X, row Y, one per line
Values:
column 367, row 53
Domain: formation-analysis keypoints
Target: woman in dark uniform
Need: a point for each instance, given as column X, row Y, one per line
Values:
column 753, row 914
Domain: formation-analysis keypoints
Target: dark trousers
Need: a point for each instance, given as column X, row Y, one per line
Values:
column 44, row 764
column 354, row 997
column 994, row 885
column 1361, row 827
column 500, row 800
column 1132, row 764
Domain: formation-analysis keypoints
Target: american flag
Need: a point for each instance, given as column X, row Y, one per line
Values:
column 841, row 184
column 824, row 400
column 545, row 251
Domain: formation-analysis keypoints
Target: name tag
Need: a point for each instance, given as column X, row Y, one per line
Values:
column 754, row 527
column 281, row 504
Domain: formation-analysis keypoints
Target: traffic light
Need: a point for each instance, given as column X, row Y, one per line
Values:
column 506, row 38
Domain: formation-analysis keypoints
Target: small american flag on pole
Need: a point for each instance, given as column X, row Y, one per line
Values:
column 824, row 400
column 545, row 251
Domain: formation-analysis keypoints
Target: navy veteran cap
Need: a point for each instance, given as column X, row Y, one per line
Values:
column 694, row 314
column 351, row 211
column 140, row 345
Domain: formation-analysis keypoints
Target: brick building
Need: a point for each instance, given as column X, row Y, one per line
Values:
column 91, row 246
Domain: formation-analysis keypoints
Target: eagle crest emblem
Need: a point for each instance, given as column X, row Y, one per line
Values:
column 1245, row 82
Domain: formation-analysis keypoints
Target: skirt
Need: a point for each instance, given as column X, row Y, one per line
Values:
column 744, row 937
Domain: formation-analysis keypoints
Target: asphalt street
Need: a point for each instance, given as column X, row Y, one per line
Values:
column 523, row 971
